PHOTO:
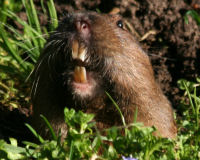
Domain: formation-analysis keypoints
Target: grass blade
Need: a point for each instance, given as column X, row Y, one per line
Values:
column 35, row 133
column 7, row 69
column 33, row 30
column 32, row 15
column 71, row 151
column 50, row 128
column 9, row 48
column 115, row 104
column 53, row 15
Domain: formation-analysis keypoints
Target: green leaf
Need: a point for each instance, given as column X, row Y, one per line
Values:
column 13, row 142
column 194, row 15
column 113, row 133
column 97, row 142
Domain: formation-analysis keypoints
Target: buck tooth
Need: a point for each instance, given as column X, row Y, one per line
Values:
column 83, row 75
column 75, row 49
column 80, row 74
column 82, row 52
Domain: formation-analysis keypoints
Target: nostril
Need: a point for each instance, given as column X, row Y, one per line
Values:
column 83, row 28
column 84, row 25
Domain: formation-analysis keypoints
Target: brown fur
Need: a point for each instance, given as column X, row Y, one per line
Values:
column 119, row 66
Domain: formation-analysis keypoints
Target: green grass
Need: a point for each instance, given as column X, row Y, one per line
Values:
column 18, row 54
column 82, row 142
column 20, row 51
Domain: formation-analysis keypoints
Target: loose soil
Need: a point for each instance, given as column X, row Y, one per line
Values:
column 173, row 45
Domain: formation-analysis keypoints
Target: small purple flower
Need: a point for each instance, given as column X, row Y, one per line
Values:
column 128, row 158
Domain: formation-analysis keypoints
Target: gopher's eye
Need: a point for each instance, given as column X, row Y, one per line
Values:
column 120, row 24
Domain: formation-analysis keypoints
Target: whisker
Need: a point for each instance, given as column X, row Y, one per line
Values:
column 42, row 35
column 50, row 67
column 27, row 58
column 56, row 52
column 25, row 40
column 34, row 87
column 39, row 64
column 28, row 77
column 29, row 51
column 50, row 43
column 35, row 83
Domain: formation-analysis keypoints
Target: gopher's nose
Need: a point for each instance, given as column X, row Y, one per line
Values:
column 83, row 27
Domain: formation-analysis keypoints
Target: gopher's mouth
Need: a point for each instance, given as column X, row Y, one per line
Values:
column 83, row 82
column 79, row 56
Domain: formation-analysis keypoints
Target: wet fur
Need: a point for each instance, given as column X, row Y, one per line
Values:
column 120, row 67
